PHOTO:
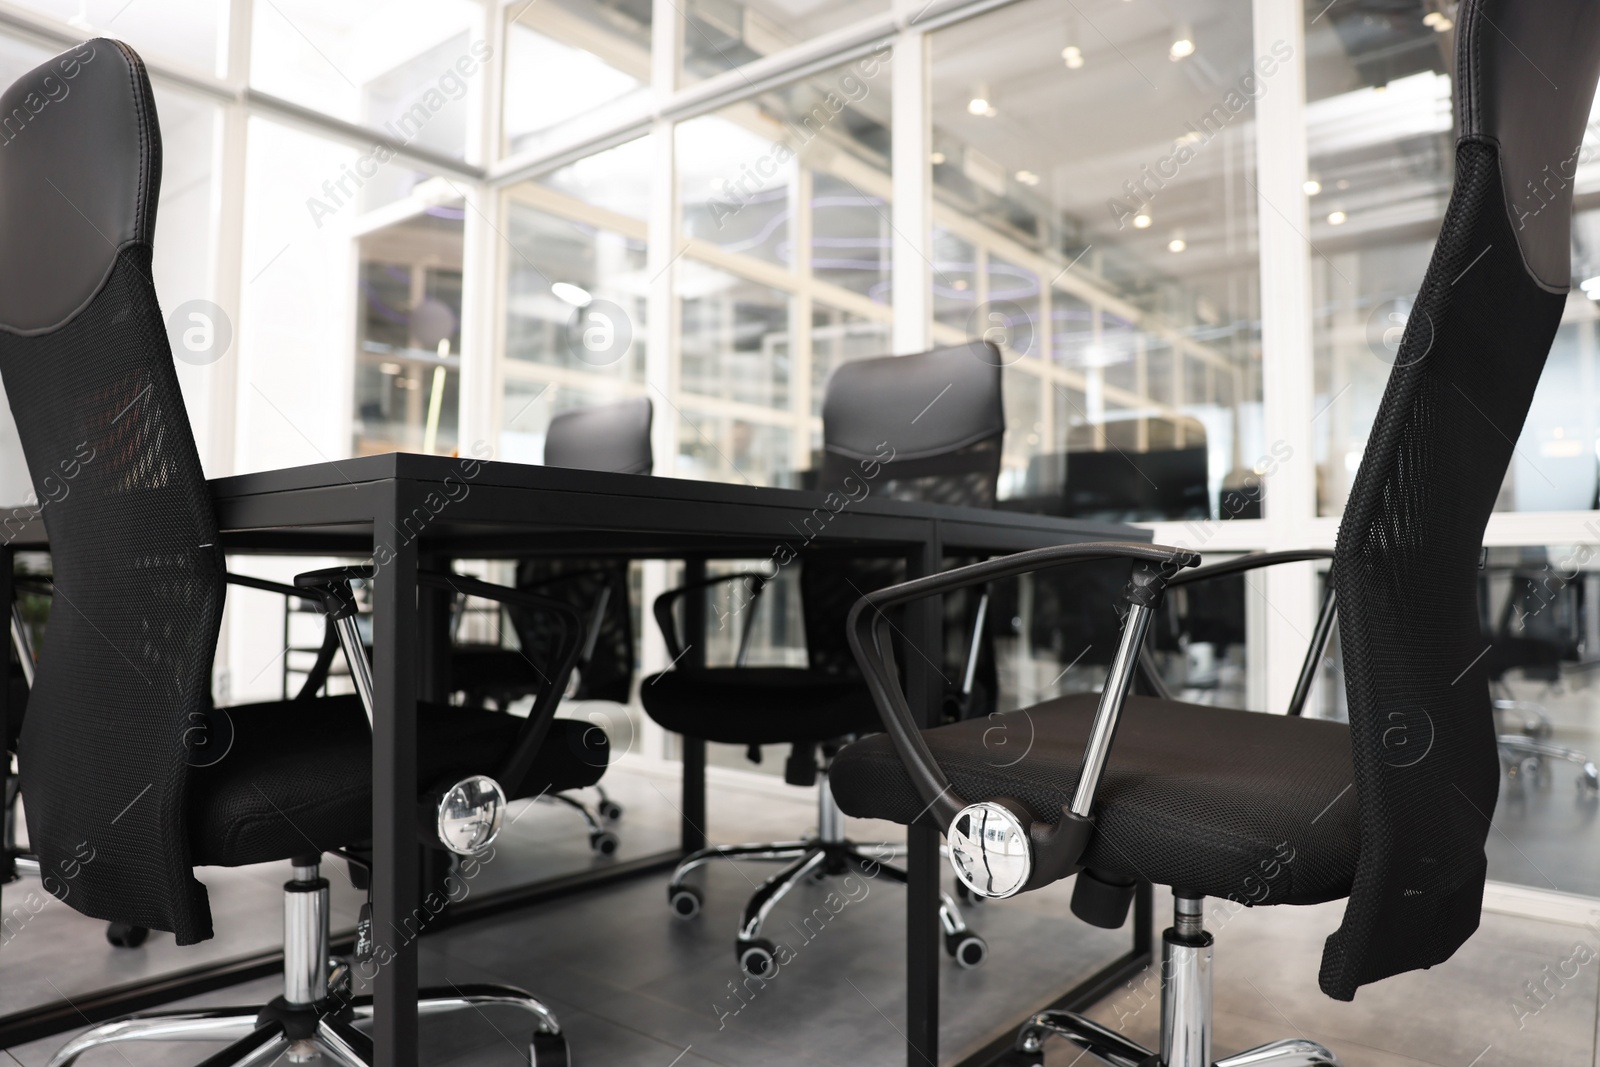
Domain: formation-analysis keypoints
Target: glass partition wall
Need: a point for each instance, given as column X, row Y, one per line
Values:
column 1193, row 229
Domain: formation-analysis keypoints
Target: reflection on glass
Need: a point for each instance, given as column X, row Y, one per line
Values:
column 837, row 337
column 408, row 358
column 727, row 448
column 1380, row 139
column 528, row 406
column 736, row 179
column 576, row 296
column 850, row 237
column 617, row 179
column 735, row 337
column 720, row 35
column 1107, row 194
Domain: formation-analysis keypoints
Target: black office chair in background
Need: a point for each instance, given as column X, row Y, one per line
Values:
column 604, row 437
column 119, row 813
column 922, row 427
column 1217, row 802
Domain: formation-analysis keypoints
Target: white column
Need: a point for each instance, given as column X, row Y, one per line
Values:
column 1287, row 381
column 482, row 265
column 911, row 118
column 661, row 331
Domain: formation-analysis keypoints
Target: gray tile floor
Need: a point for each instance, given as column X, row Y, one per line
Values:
column 635, row 986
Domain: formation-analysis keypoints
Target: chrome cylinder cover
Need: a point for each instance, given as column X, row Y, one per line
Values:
column 989, row 850
column 470, row 814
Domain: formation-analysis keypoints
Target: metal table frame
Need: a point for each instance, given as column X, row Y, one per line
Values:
column 406, row 511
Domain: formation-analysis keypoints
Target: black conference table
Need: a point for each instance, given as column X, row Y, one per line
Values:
column 406, row 511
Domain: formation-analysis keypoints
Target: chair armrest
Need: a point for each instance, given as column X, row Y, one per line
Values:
column 1054, row 850
column 1253, row 561
column 1325, row 614
column 573, row 632
column 669, row 627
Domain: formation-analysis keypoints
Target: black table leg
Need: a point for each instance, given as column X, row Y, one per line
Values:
column 693, row 801
column 923, row 866
column 394, row 793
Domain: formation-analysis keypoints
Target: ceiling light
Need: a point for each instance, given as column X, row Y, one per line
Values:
column 1072, row 55
column 1191, row 137
column 979, row 104
column 1438, row 21
column 936, row 159
column 1337, row 218
column 1141, row 221
column 1027, row 177
column 1591, row 288
column 572, row 294
column 1182, row 44
column 1177, row 244
column 1312, row 187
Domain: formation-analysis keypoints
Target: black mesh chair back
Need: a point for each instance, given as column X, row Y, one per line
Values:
column 608, row 437
column 125, row 667
column 927, row 427
column 1406, row 569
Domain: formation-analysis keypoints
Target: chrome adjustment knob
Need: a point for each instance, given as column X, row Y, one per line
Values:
column 470, row 814
column 989, row 849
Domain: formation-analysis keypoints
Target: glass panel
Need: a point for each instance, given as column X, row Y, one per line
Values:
column 738, row 171
column 1380, row 139
column 408, row 336
column 850, row 237
column 955, row 281
column 735, row 337
column 179, row 31
column 617, row 179
column 726, row 448
column 720, row 35
column 1011, row 315
column 837, row 337
column 576, row 296
column 406, row 68
column 1139, row 214
column 565, row 72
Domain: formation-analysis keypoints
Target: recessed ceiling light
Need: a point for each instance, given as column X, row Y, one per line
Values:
column 1312, row 187
column 979, row 104
column 936, row 159
column 571, row 294
column 1027, row 177
column 1141, row 221
column 1177, row 244
column 1438, row 21
column 1072, row 55
column 1182, row 44
column 1337, row 218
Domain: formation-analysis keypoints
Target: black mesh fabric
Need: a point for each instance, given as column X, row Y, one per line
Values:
column 125, row 665
column 1406, row 573
column 607, row 674
column 1218, row 801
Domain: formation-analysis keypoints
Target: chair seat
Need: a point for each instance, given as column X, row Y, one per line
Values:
column 758, row 705
column 1212, row 800
column 298, row 776
column 490, row 668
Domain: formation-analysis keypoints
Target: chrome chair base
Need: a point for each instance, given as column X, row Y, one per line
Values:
column 827, row 854
column 1185, row 1016
column 316, row 1015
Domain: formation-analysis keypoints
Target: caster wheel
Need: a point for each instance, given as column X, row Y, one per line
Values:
column 126, row 935
column 966, row 948
column 548, row 1050
column 758, row 958
column 967, row 896
column 604, row 843
column 685, row 901
column 611, row 810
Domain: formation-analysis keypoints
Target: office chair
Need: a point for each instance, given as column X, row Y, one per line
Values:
column 605, row 437
column 119, row 808
column 1211, row 801
column 875, row 443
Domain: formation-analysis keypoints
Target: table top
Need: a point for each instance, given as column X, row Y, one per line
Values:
column 476, row 508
